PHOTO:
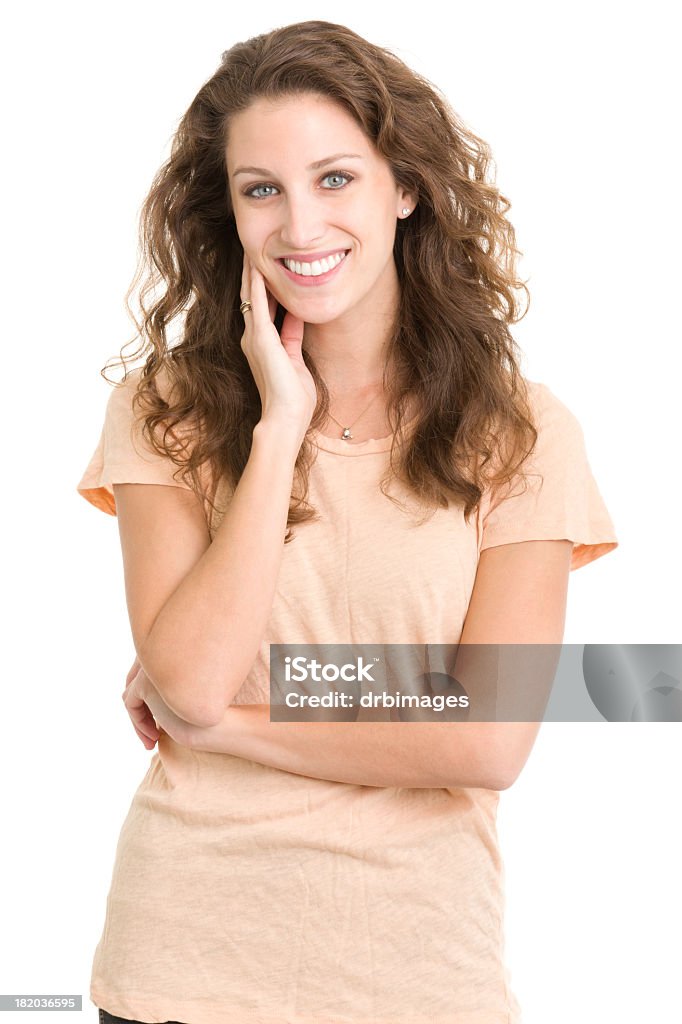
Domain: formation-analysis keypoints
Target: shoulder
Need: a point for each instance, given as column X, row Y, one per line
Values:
column 546, row 402
column 121, row 400
column 554, row 421
column 123, row 391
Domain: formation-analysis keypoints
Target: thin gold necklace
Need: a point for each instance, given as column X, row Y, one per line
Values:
column 346, row 431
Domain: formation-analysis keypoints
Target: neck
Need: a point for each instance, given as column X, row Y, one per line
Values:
column 347, row 365
column 351, row 351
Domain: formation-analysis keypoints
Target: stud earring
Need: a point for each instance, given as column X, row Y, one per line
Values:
column 405, row 211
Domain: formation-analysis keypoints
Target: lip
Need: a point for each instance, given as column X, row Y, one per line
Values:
column 314, row 282
column 309, row 257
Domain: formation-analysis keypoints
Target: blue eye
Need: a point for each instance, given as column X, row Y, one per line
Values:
column 338, row 174
column 250, row 192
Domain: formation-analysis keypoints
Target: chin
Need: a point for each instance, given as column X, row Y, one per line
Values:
column 317, row 318
column 309, row 311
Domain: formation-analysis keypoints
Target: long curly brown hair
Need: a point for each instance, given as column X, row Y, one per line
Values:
column 455, row 258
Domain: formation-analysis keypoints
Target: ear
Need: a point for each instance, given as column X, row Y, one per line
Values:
column 406, row 201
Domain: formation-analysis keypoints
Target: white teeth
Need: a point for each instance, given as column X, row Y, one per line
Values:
column 315, row 268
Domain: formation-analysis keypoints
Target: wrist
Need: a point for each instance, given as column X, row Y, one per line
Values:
column 213, row 739
column 285, row 437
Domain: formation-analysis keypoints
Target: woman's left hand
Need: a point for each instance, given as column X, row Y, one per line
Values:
column 148, row 712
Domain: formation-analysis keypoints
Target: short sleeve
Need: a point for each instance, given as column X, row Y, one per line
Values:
column 561, row 500
column 122, row 454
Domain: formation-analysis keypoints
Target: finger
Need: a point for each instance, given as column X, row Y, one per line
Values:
column 143, row 721
column 292, row 334
column 149, row 744
column 145, row 734
column 147, row 722
column 134, row 705
column 258, row 298
column 272, row 305
column 150, row 731
column 245, row 289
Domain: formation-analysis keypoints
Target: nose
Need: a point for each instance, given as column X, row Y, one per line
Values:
column 303, row 224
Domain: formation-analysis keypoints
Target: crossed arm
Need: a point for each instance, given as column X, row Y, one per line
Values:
column 519, row 597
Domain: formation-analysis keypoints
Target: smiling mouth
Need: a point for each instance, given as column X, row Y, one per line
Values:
column 315, row 269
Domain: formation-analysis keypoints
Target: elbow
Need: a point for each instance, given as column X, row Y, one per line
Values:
column 192, row 701
column 504, row 782
column 203, row 716
column 501, row 750
column 461, row 778
column 505, row 775
column 481, row 762
column 495, row 782
column 502, row 777
column 185, row 701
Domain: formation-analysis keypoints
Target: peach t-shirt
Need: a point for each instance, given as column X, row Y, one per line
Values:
column 243, row 893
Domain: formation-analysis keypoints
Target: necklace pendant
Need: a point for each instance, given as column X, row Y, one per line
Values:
column 346, row 435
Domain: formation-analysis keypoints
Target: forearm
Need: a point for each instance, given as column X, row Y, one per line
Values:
column 414, row 755
column 207, row 635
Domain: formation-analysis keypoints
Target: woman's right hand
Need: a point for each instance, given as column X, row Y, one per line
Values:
column 140, row 713
column 287, row 389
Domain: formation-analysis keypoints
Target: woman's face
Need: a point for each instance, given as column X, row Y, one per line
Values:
column 289, row 208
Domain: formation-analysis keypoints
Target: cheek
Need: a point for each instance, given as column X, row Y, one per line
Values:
column 382, row 220
column 273, row 281
column 246, row 230
column 253, row 243
column 244, row 235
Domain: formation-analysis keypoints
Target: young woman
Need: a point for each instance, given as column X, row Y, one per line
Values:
column 349, row 454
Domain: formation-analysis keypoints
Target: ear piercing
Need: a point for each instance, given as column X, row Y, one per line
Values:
column 405, row 211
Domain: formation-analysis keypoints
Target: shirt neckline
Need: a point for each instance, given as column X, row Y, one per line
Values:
column 337, row 446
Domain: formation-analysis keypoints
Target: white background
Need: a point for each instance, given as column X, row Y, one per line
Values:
column 579, row 104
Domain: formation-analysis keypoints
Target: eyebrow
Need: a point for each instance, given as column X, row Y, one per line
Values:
column 311, row 167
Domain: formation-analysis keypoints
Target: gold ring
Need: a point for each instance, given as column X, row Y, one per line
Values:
column 245, row 306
